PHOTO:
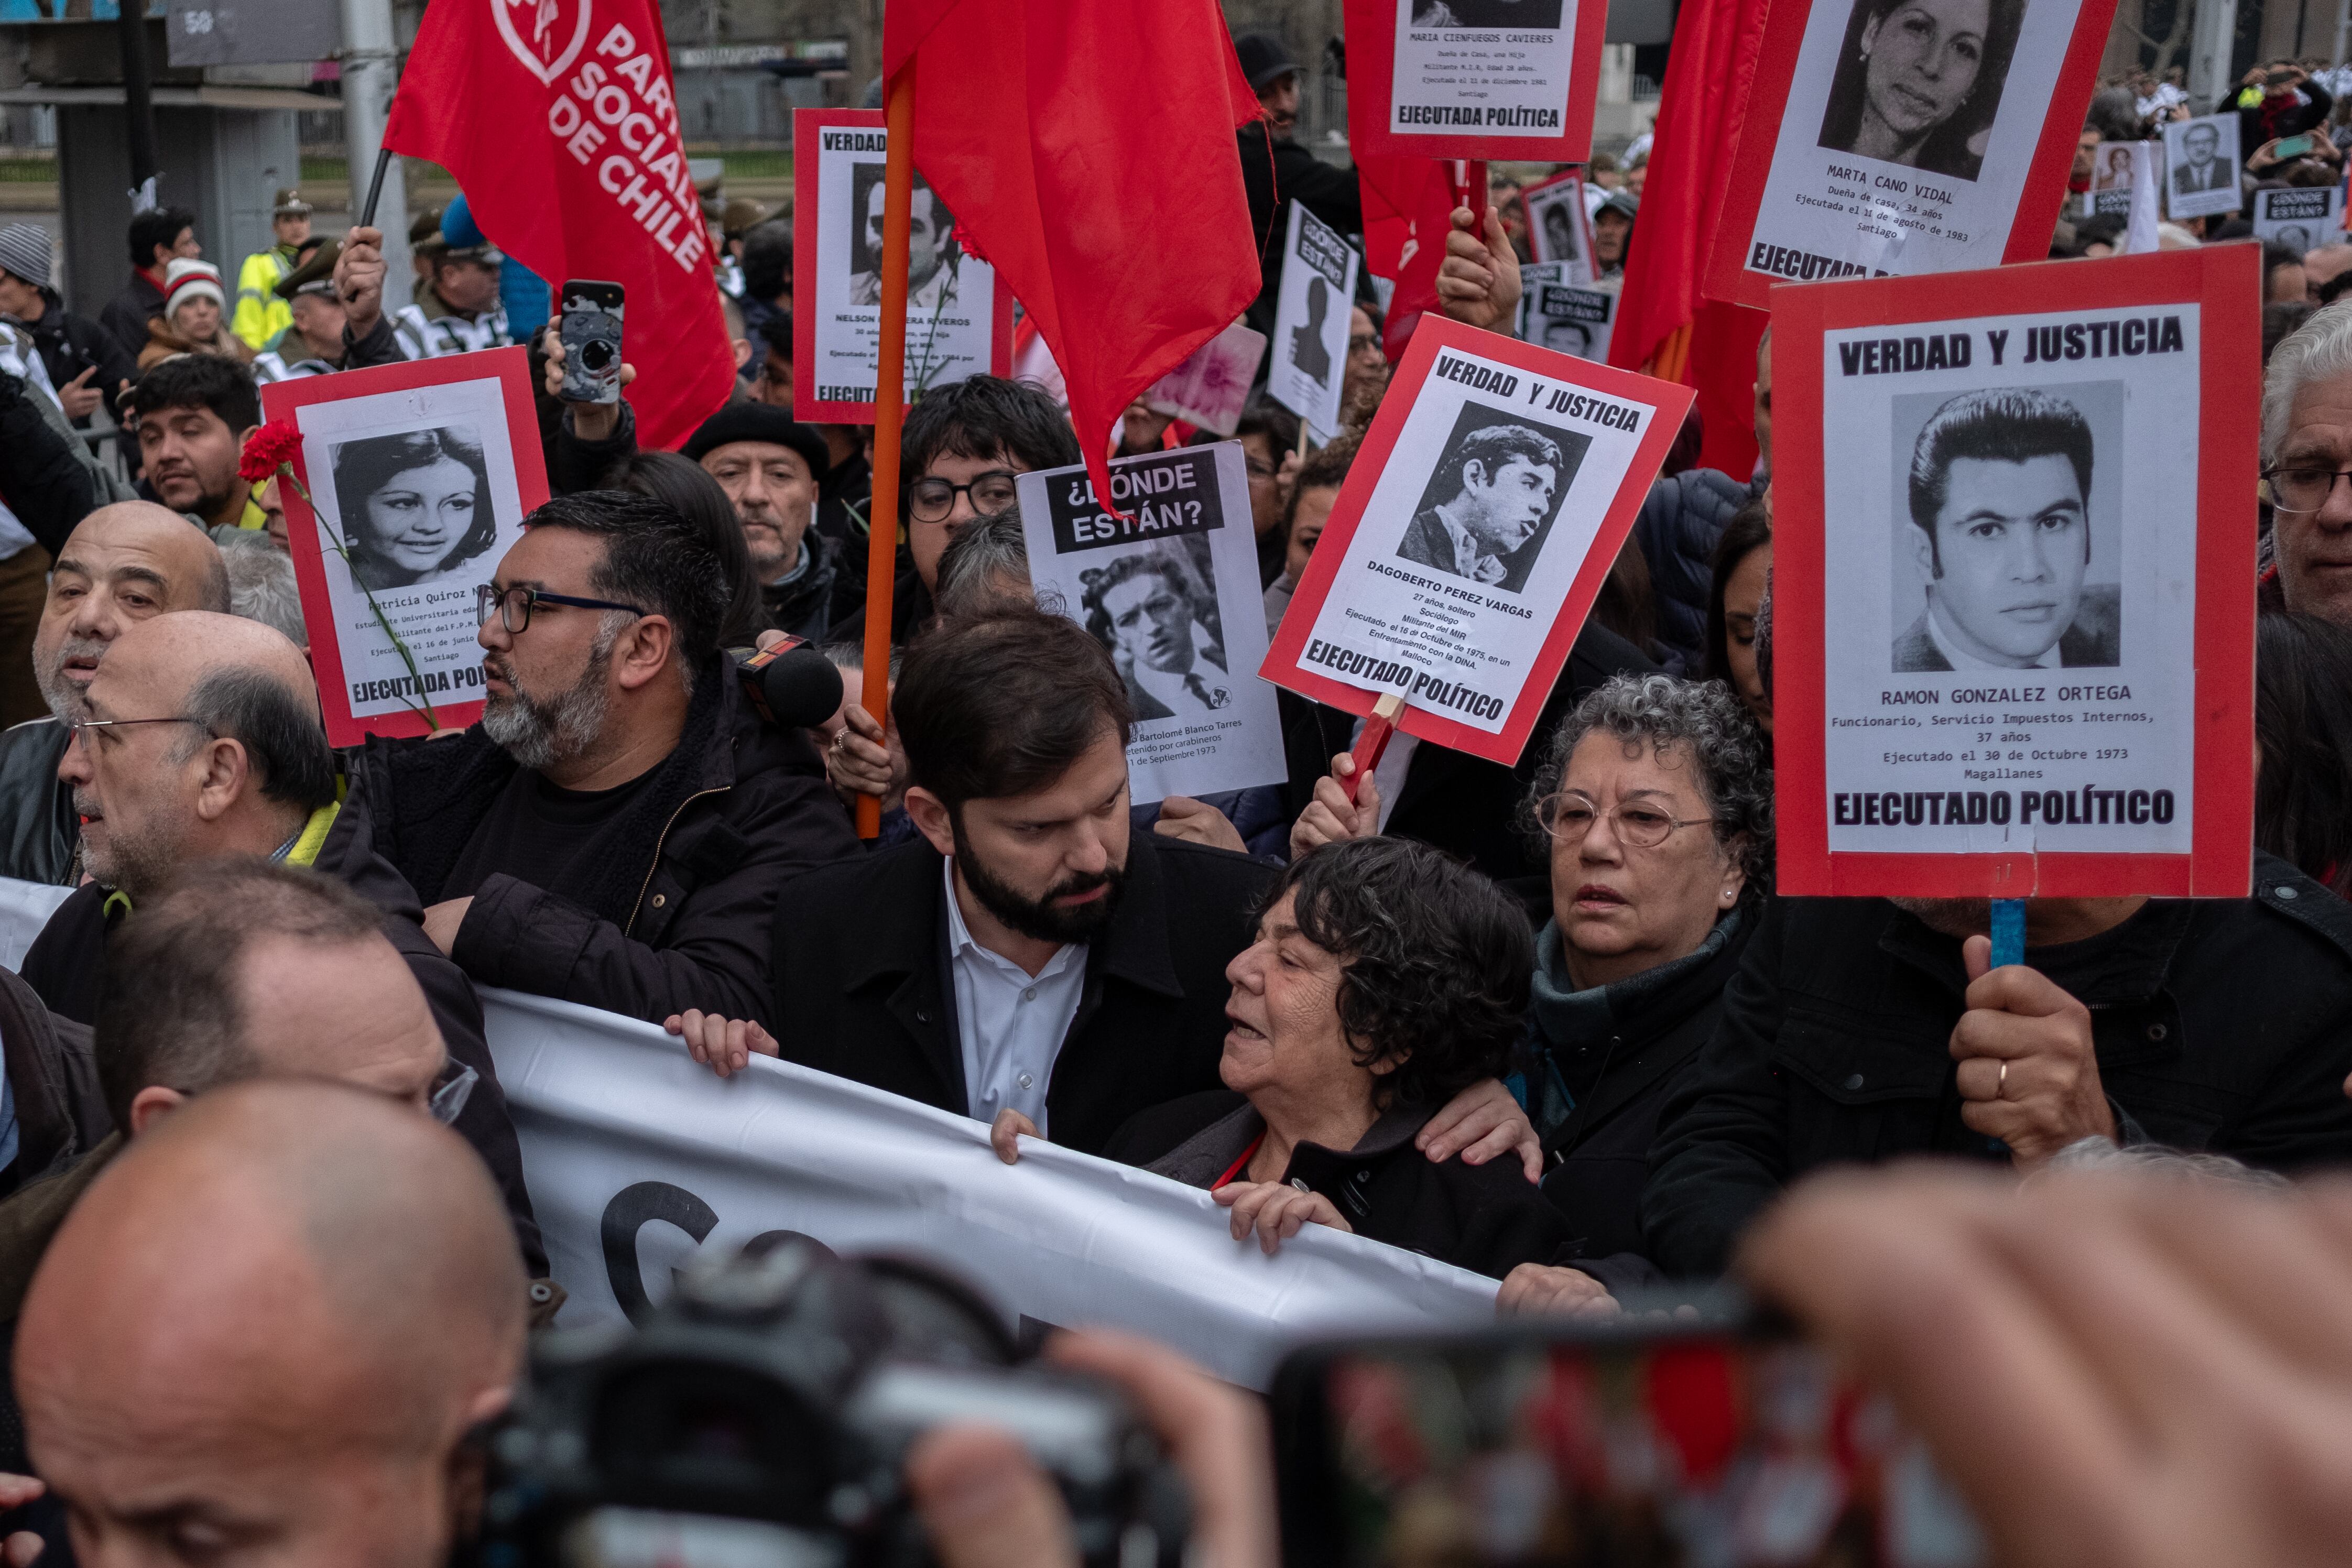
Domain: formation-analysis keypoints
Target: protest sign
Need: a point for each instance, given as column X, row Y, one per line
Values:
column 1488, row 500
column 420, row 473
column 1555, row 315
column 959, row 313
column 2300, row 219
column 2029, row 494
column 1213, row 383
column 1310, row 322
column 1890, row 140
column 1559, row 229
column 1474, row 79
column 2111, row 180
column 2202, row 159
column 1171, row 590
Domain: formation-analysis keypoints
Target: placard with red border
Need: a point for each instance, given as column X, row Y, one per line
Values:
column 2031, row 210
column 2222, row 282
column 1373, row 26
column 283, row 400
column 1548, row 373
column 1575, row 180
column 809, row 126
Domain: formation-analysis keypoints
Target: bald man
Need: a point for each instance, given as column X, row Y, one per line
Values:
column 265, row 1334
column 202, row 738
column 124, row 563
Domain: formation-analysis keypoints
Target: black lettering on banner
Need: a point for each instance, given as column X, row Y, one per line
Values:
column 633, row 1208
column 2088, row 807
column 1322, row 249
column 1891, row 356
column 1164, row 495
column 2280, row 205
column 856, row 141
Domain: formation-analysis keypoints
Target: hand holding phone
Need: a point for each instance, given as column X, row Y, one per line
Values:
column 2291, row 147
column 590, row 334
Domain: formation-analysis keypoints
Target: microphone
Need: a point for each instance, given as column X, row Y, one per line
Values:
column 792, row 685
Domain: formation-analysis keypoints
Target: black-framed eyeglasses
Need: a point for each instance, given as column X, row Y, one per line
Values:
column 2303, row 490
column 513, row 605
column 1570, row 817
column 74, row 726
column 928, row 500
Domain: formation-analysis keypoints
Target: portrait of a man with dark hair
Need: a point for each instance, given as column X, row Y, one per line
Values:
column 1498, row 484
column 1157, row 617
column 2000, row 527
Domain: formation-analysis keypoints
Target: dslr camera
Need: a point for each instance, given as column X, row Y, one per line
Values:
column 762, row 1417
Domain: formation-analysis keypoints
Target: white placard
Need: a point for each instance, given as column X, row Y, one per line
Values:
column 1310, row 322
column 420, row 487
column 1472, row 66
column 1171, row 590
column 2201, row 163
column 2301, row 219
column 1557, row 314
column 2039, row 638
column 1559, row 226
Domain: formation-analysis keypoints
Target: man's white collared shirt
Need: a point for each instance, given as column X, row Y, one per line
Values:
column 1469, row 558
column 1960, row 659
column 1011, row 1026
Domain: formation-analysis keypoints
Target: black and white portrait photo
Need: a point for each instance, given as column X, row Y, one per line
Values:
column 2003, row 531
column 932, row 254
column 1918, row 82
column 1513, row 14
column 1491, row 497
column 1556, row 222
column 2201, row 156
column 1154, row 607
column 413, row 507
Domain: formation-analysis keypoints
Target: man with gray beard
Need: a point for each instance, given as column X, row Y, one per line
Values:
column 122, row 565
column 615, row 830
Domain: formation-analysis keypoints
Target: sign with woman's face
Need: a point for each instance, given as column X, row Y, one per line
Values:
column 1892, row 138
column 419, row 478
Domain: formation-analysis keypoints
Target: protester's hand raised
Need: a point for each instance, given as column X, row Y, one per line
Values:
column 1540, row 1288
column 1275, row 1210
column 1482, row 1123
column 1143, row 428
column 2116, row 1369
column 359, row 279
column 590, row 421
column 1478, row 282
column 722, row 1045
column 1330, row 817
column 1181, row 817
column 858, row 761
column 2029, row 1071
column 78, row 398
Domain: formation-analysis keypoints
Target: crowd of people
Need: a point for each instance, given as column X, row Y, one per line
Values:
column 1551, row 1023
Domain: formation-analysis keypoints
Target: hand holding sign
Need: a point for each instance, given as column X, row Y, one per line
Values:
column 1331, row 817
column 2029, row 1071
column 1478, row 283
column 359, row 279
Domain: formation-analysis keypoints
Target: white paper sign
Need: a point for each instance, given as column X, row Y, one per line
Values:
column 2201, row 161
column 1464, row 67
column 1879, row 169
column 1310, row 321
column 2300, row 219
column 1171, row 590
column 420, row 488
column 2011, row 537
column 1555, row 315
column 1559, row 229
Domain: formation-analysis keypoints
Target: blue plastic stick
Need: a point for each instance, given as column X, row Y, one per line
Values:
column 2007, row 931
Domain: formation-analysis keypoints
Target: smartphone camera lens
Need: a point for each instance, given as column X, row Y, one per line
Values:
column 597, row 356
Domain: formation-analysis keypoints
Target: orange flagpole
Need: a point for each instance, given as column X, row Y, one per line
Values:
column 889, row 413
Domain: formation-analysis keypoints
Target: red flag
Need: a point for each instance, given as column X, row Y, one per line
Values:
column 1086, row 150
column 1708, row 74
column 562, row 131
column 1408, row 212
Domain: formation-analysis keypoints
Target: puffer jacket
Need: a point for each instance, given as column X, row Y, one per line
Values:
column 1681, row 520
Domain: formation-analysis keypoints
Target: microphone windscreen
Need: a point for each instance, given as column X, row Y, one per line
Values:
column 802, row 688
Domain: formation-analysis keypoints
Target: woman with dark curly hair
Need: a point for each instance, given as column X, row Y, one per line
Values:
column 413, row 505
column 1386, row 978
column 1655, row 803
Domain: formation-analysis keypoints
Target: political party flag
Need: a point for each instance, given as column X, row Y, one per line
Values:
column 1407, row 211
column 1660, row 321
column 1086, row 149
column 557, row 119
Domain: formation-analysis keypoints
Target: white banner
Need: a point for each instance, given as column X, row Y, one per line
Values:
column 636, row 1157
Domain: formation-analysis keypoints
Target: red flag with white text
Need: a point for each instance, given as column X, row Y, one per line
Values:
column 557, row 119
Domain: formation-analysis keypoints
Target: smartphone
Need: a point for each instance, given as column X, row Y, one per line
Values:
column 2292, row 147
column 590, row 334
column 1723, row 1439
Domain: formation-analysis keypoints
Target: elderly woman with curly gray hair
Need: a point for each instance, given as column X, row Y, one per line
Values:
column 1655, row 802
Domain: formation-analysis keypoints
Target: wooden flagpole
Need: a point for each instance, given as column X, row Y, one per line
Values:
column 889, row 413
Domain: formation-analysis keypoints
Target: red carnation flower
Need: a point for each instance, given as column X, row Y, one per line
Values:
column 267, row 448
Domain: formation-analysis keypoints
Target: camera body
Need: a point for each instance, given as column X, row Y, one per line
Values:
column 764, row 1415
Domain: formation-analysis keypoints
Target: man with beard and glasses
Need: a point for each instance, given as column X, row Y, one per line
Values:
column 123, row 563
column 615, row 828
column 198, row 737
column 1027, row 956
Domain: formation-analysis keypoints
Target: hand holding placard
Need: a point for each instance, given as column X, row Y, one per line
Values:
column 2029, row 1071
column 1347, row 805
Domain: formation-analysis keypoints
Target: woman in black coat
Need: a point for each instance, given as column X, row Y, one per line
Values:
column 1386, row 978
column 1656, row 804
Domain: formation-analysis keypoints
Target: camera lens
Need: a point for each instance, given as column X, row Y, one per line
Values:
column 596, row 356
